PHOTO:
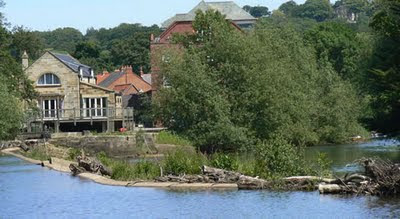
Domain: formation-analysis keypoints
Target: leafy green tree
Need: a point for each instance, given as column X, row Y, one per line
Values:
column 319, row 10
column 63, row 39
column 25, row 40
column 14, row 87
column 229, row 90
column 289, row 8
column 385, row 67
column 257, row 11
column 339, row 45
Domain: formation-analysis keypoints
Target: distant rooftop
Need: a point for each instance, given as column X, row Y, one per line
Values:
column 230, row 9
column 72, row 63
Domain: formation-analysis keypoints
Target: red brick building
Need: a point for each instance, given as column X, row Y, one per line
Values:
column 125, row 82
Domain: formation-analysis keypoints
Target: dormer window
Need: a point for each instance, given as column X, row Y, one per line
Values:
column 49, row 79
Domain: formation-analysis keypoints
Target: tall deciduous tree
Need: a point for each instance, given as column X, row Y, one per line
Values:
column 229, row 90
column 385, row 73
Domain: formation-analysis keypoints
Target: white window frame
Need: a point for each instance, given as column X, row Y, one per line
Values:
column 46, row 83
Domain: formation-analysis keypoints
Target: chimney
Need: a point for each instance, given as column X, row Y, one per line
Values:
column 141, row 71
column 81, row 71
column 25, row 61
column 128, row 69
column 92, row 73
column 151, row 37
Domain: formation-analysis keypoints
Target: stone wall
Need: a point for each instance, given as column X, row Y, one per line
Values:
column 116, row 146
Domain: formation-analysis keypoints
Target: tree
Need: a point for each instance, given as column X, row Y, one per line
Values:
column 63, row 39
column 340, row 46
column 319, row 10
column 289, row 8
column 385, row 67
column 257, row 11
column 25, row 40
column 229, row 90
column 14, row 87
column 10, row 113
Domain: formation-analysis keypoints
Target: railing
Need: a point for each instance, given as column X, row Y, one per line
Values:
column 84, row 114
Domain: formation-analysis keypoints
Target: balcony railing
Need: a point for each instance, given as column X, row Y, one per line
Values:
column 84, row 114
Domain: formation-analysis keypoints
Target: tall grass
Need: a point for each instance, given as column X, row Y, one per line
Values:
column 166, row 137
column 125, row 171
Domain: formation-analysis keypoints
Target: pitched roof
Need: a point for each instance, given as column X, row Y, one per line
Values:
column 147, row 78
column 72, row 63
column 121, row 80
column 111, row 78
column 230, row 9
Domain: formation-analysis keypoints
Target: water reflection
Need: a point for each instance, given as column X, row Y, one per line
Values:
column 343, row 156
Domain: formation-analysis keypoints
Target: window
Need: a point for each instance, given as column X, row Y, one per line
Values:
column 49, row 79
column 51, row 107
column 95, row 107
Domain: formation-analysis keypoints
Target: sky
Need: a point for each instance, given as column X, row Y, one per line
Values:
column 45, row 15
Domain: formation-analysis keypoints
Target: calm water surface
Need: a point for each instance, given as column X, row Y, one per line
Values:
column 30, row 191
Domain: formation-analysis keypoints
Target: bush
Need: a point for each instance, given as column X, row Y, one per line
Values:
column 166, row 137
column 73, row 153
column 225, row 161
column 37, row 153
column 122, row 170
column 180, row 162
column 278, row 158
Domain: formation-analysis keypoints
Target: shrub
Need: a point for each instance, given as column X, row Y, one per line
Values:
column 73, row 153
column 225, row 161
column 180, row 162
column 37, row 153
column 278, row 158
column 123, row 170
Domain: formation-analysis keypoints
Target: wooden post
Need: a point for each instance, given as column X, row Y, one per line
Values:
column 123, row 118
column 108, row 119
column 74, row 116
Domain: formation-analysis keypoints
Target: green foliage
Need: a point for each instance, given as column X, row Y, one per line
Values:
column 180, row 162
column 338, row 44
column 63, row 39
column 278, row 158
column 37, row 153
column 225, row 161
column 323, row 165
column 25, row 40
column 238, row 89
column 73, row 153
column 257, row 11
column 166, row 137
column 122, row 170
column 11, row 114
column 319, row 10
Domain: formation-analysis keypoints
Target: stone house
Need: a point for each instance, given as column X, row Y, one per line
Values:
column 182, row 24
column 69, row 99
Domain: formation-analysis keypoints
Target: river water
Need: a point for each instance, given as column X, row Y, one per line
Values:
column 30, row 191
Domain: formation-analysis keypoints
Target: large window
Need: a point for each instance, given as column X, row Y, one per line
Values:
column 51, row 107
column 94, row 107
column 49, row 79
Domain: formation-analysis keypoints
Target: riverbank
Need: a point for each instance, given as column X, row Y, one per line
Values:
column 63, row 166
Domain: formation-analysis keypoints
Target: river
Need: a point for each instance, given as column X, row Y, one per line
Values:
column 28, row 191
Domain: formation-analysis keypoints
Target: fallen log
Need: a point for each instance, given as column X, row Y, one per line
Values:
column 91, row 165
column 252, row 183
column 220, row 176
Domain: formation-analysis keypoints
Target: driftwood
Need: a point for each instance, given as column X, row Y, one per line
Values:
column 379, row 178
column 91, row 165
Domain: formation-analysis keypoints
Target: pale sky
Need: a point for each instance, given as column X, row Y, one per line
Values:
column 82, row 14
